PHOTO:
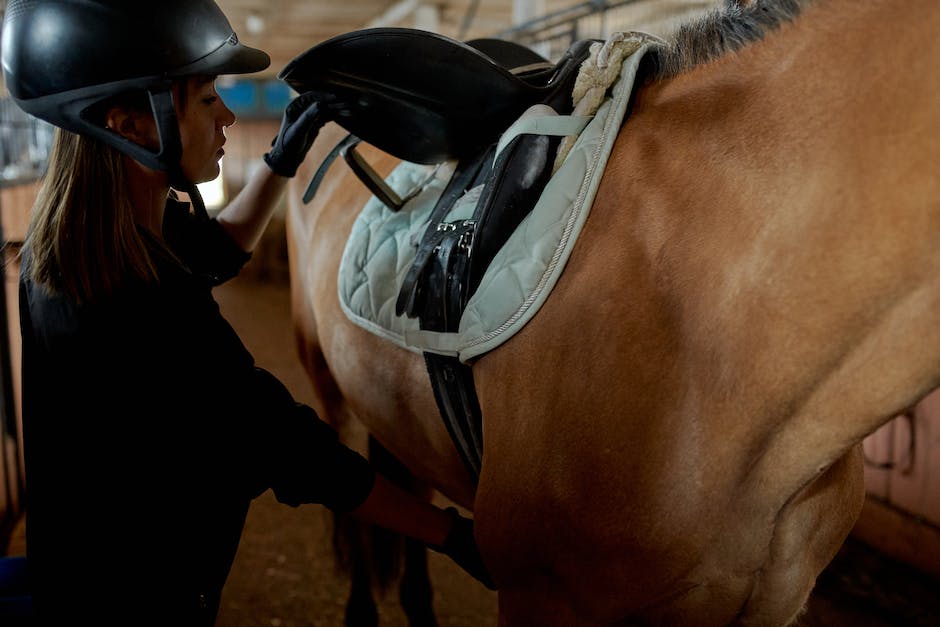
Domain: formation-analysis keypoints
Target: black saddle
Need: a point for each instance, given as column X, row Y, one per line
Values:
column 423, row 97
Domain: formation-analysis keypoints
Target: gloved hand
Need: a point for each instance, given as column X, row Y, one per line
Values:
column 462, row 548
column 299, row 127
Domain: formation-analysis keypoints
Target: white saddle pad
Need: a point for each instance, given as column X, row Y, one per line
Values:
column 383, row 243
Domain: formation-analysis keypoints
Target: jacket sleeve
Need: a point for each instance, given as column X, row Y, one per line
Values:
column 309, row 464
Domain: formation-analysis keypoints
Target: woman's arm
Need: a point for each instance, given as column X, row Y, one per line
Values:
column 445, row 531
column 246, row 217
column 394, row 509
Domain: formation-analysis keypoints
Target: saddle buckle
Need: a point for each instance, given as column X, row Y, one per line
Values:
column 465, row 242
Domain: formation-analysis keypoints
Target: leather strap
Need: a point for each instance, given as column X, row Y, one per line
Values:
column 456, row 398
column 440, row 310
column 458, row 254
column 338, row 149
column 464, row 177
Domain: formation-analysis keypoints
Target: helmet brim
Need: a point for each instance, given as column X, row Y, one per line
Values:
column 231, row 57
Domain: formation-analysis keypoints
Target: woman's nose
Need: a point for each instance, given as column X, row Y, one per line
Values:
column 227, row 117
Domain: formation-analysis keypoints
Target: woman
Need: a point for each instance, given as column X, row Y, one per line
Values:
column 148, row 428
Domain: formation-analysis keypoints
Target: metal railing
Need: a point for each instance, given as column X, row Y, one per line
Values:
column 24, row 144
column 552, row 34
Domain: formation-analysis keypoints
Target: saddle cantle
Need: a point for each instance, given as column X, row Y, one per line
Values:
column 423, row 97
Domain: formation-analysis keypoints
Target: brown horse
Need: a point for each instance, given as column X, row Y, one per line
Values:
column 675, row 437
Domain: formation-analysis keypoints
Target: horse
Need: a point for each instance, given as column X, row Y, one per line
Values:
column 675, row 438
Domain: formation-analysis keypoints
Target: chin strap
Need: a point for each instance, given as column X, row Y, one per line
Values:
column 171, row 149
column 199, row 206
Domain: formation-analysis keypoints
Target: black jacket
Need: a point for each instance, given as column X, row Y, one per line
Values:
column 148, row 429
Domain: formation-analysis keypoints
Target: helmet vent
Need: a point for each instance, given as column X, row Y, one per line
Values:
column 19, row 6
column 233, row 40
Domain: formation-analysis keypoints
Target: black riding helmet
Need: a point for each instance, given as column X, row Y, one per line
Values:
column 62, row 57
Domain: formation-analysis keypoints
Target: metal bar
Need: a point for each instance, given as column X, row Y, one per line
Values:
column 562, row 17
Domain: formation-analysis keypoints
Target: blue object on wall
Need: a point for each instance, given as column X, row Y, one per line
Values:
column 256, row 99
column 277, row 95
column 240, row 96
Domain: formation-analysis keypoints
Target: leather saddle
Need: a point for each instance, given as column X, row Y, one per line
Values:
column 427, row 99
column 421, row 96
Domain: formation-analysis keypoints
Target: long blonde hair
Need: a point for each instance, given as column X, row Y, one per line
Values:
column 82, row 239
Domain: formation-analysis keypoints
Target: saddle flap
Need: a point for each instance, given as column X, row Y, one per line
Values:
column 416, row 95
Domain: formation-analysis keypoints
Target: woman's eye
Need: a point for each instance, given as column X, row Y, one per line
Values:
column 210, row 99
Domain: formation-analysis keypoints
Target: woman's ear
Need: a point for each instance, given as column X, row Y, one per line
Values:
column 137, row 126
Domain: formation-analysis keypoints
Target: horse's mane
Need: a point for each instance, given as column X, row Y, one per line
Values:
column 722, row 30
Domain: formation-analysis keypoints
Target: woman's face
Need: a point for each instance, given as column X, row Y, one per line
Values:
column 202, row 121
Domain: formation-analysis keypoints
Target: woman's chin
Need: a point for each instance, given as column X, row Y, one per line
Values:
column 207, row 176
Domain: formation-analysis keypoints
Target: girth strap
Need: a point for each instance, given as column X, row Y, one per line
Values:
column 452, row 382
column 457, row 254
column 369, row 177
column 446, row 269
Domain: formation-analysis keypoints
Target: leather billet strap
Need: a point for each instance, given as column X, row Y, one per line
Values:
column 466, row 176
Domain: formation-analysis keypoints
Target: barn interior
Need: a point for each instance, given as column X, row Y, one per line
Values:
column 887, row 573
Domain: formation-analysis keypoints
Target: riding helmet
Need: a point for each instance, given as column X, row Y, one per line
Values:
column 61, row 57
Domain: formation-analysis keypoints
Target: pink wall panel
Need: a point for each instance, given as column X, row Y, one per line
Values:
column 879, row 448
column 919, row 490
column 910, row 447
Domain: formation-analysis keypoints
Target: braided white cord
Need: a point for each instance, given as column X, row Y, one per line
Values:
column 597, row 74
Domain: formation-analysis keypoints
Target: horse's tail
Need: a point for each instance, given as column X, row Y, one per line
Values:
column 366, row 550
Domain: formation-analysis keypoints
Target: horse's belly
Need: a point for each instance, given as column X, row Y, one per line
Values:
column 581, row 528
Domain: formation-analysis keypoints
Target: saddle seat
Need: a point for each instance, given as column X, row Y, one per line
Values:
column 423, row 97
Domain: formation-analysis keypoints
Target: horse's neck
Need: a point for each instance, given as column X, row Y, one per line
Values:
column 789, row 153
column 782, row 197
column 844, row 75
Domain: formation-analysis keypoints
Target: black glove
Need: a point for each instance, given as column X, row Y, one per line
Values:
column 299, row 127
column 462, row 548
